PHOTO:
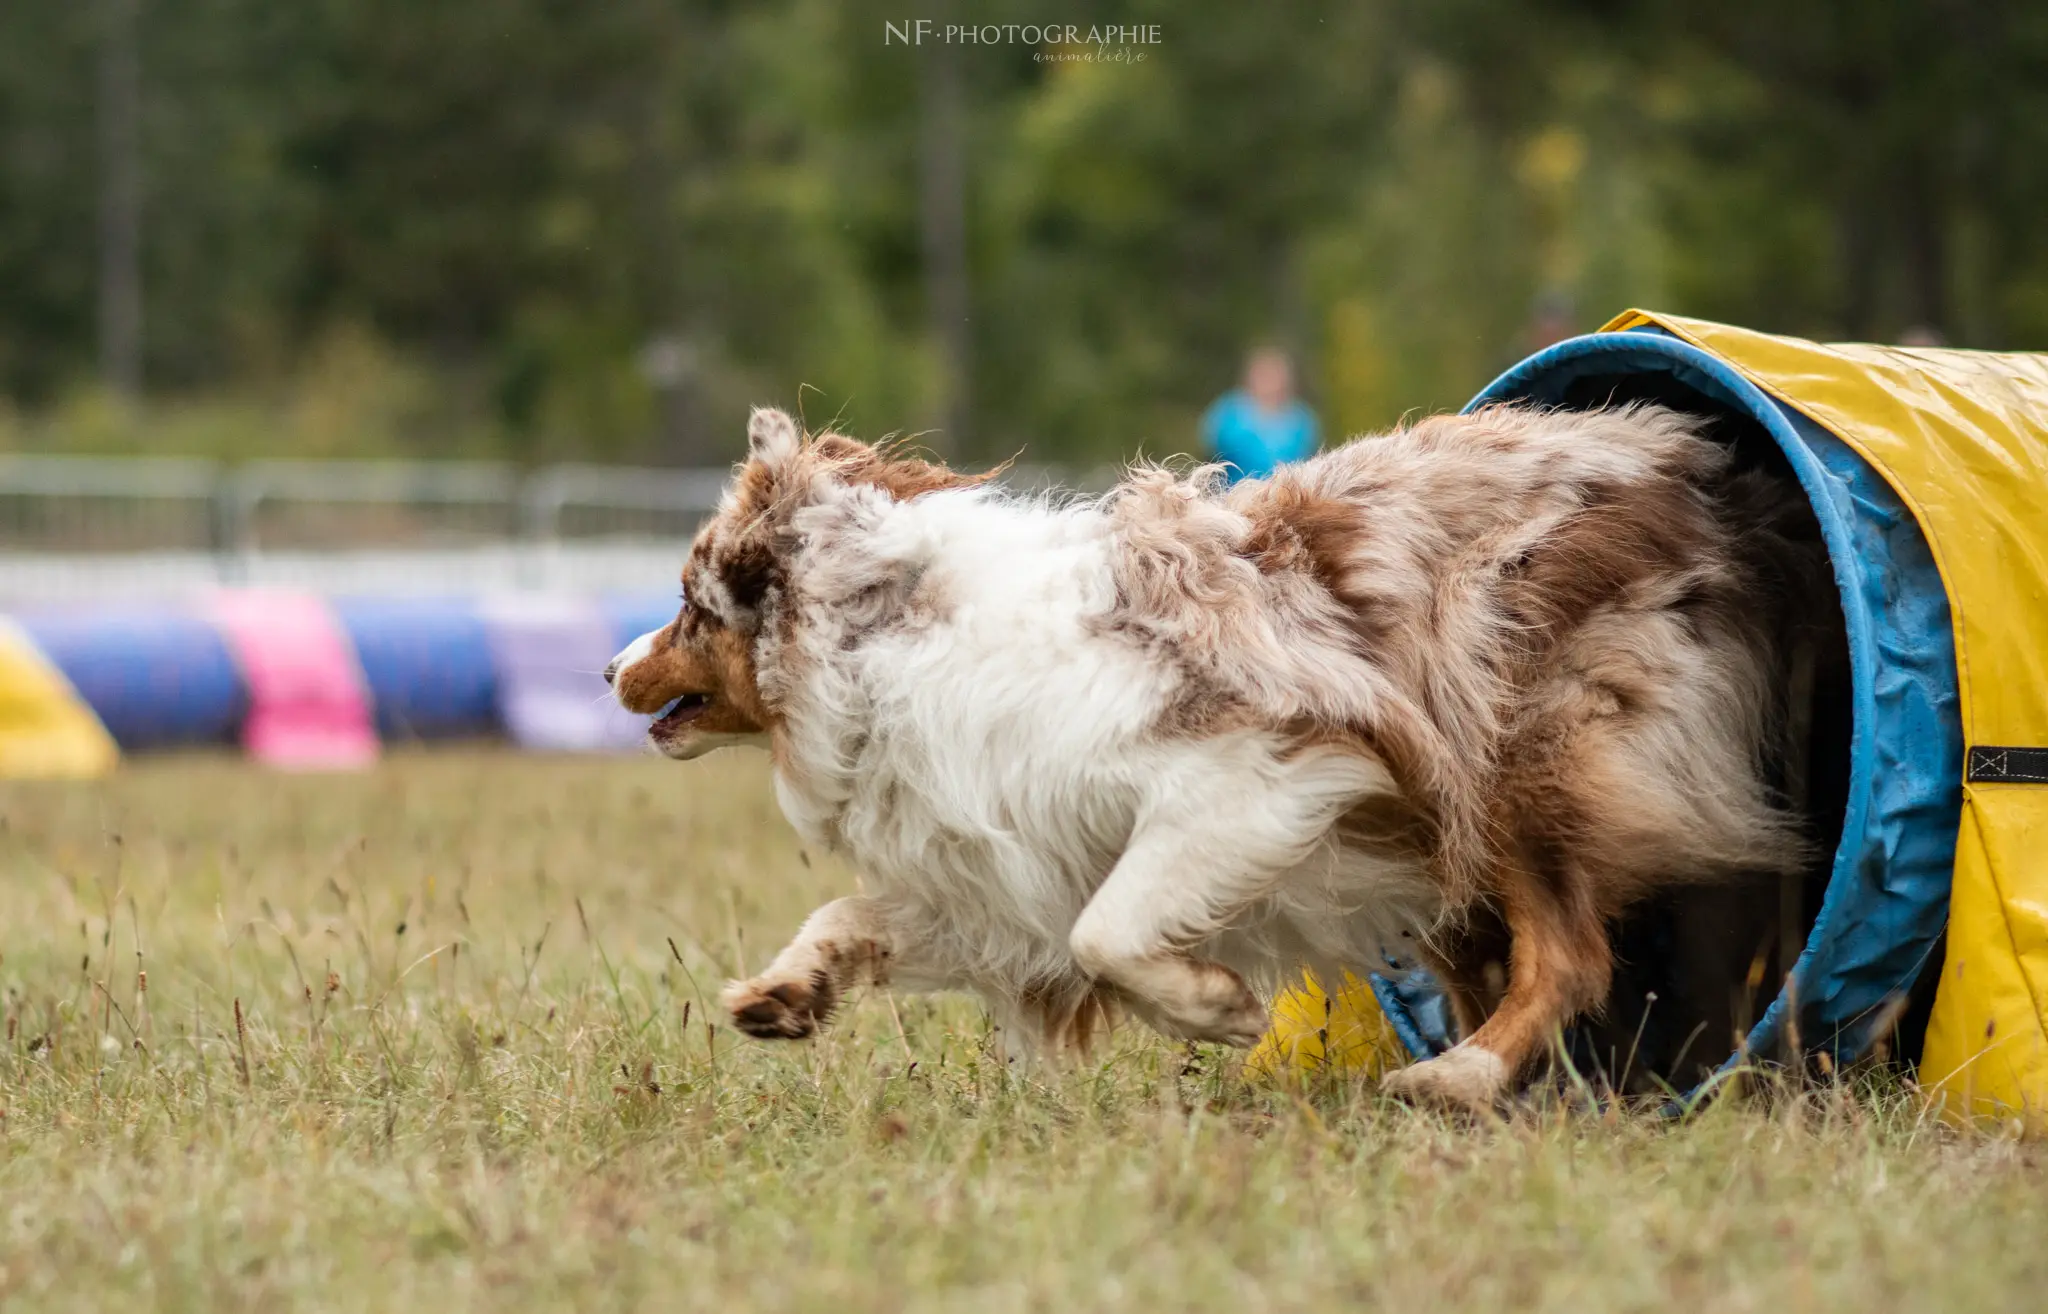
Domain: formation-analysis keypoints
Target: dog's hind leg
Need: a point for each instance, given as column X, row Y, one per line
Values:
column 1197, row 859
column 1559, row 965
column 840, row 946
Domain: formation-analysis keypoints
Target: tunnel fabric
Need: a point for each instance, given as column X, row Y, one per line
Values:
column 156, row 674
column 47, row 731
column 1962, row 436
column 309, row 706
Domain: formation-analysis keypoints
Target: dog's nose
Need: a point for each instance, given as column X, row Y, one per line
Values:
column 611, row 670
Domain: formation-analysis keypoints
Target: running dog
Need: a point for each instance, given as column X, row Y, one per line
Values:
column 1454, row 695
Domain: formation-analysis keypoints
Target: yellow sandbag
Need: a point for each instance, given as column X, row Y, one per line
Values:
column 1962, row 436
column 1314, row 1033
column 46, row 730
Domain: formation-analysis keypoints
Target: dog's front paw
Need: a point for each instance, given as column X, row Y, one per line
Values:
column 779, row 1010
column 1215, row 1004
column 1463, row 1079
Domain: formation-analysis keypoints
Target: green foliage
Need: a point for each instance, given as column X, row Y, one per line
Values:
column 517, row 205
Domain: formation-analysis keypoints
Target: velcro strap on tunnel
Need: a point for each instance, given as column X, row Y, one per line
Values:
column 2019, row 766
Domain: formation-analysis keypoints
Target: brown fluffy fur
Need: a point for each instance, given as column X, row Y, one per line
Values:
column 1561, row 636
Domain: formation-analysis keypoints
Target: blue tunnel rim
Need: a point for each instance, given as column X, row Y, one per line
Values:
column 1853, row 906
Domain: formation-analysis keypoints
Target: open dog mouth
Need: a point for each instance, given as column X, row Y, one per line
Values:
column 679, row 712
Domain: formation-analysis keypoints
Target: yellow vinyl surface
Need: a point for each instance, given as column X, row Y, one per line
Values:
column 1314, row 1032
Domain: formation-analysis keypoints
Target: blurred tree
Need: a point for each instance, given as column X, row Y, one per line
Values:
column 47, row 191
column 120, row 199
column 546, row 228
column 1850, row 168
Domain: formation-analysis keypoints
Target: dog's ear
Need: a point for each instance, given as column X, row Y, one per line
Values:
column 772, row 437
column 735, row 559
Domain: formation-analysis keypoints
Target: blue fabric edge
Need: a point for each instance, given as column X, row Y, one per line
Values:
column 1394, row 1000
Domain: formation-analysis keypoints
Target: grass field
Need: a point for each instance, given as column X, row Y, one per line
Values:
column 434, row 1037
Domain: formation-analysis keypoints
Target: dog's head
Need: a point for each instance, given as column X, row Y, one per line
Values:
column 700, row 675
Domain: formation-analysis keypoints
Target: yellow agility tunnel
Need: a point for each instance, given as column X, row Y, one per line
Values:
column 1927, row 916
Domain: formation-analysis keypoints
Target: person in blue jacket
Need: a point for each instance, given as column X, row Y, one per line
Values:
column 1263, row 424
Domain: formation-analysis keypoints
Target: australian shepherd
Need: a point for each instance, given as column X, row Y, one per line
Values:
column 1452, row 696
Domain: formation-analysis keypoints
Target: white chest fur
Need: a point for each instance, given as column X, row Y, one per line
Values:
column 986, row 763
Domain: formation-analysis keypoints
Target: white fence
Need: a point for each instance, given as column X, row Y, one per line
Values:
column 93, row 526
column 82, row 527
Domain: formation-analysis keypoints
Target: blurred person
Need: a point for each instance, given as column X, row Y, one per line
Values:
column 1261, row 425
